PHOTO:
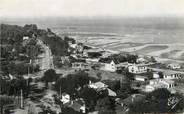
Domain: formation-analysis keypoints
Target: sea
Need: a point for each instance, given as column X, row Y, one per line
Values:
column 156, row 36
column 137, row 30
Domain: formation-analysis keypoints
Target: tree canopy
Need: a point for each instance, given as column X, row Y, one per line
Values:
column 50, row 76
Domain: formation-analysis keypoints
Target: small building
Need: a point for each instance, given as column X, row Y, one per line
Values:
column 174, row 66
column 65, row 98
column 159, row 83
column 25, row 38
column 141, row 78
column 101, row 86
column 109, row 66
column 90, row 60
column 142, row 60
column 80, row 66
column 137, row 68
column 156, row 75
column 98, row 85
column 169, row 75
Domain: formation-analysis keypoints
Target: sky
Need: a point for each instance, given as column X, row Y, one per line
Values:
column 90, row 8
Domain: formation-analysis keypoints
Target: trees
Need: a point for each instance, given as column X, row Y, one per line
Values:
column 106, row 105
column 49, row 76
column 4, row 101
column 160, row 93
column 90, row 97
column 156, row 102
column 72, row 83
column 113, row 84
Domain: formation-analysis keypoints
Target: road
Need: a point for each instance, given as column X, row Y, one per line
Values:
column 46, row 61
column 165, row 70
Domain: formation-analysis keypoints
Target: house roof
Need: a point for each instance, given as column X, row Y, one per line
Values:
column 139, row 76
column 170, row 73
column 111, row 93
column 64, row 94
column 109, row 60
column 100, row 84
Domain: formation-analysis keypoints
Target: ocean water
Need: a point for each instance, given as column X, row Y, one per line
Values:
column 143, row 35
column 136, row 30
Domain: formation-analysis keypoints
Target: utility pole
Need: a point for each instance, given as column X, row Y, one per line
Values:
column 21, row 99
column 60, row 91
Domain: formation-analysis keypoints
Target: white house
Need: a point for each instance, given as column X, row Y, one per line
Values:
column 80, row 66
column 102, row 86
column 110, row 66
column 137, row 68
column 174, row 66
column 156, row 75
column 168, row 75
column 159, row 83
column 65, row 98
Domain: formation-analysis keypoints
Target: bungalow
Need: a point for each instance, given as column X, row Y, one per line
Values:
column 101, row 86
column 169, row 75
column 174, row 66
column 159, row 83
column 80, row 66
column 137, row 68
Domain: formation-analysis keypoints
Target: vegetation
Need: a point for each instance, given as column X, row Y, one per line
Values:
column 90, row 97
column 120, row 58
column 50, row 76
column 156, row 102
column 14, row 49
column 106, row 105
column 13, row 87
column 72, row 83
column 3, row 102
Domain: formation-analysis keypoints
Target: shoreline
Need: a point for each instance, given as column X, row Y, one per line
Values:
column 159, row 59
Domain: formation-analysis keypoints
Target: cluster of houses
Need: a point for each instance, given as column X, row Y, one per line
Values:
column 79, row 104
column 140, row 70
